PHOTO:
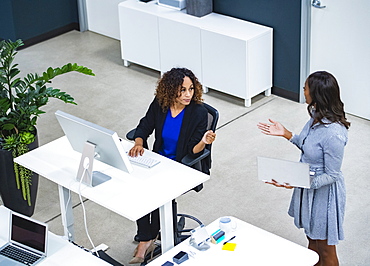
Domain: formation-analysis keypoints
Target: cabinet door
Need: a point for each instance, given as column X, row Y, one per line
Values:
column 224, row 63
column 102, row 17
column 179, row 46
column 139, row 37
column 259, row 58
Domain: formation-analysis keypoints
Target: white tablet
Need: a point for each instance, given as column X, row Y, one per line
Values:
column 295, row 174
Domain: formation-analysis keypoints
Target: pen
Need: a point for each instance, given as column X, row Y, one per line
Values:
column 229, row 240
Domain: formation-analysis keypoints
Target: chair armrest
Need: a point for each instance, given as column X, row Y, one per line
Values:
column 190, row 161
column 131, row 134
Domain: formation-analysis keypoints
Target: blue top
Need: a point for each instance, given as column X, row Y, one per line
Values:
column 320, row 209
column 170, row 134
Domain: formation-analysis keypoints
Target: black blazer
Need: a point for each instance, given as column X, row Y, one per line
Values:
column 194, row 125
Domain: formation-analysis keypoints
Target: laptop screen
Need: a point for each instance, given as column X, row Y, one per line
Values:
column 28, row 233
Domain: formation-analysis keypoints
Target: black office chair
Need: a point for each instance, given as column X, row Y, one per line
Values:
column 201, row 163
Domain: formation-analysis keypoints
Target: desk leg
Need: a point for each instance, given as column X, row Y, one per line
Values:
column 67, row 213
column 166, row 219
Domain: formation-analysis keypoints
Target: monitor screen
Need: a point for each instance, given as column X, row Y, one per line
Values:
column 108, row 148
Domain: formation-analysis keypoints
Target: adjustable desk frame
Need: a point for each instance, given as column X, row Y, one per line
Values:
column 165, row 212
column 58, row 162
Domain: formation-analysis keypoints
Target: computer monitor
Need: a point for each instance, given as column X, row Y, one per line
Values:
column 93, row 141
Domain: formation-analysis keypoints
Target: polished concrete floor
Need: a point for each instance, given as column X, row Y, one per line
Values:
column 117, row 97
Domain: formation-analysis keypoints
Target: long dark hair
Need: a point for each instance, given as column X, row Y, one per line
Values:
column 168, row 87
column 325, row 95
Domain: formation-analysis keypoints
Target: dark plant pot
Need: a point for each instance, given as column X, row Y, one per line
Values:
column 10, row 195
column 199, row 8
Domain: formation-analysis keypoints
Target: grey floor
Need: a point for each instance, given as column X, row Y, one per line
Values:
column 117, row 97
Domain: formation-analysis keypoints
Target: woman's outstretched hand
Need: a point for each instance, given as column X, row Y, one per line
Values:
column 274, row 129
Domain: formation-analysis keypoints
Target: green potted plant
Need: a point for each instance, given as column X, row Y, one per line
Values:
column 20, row 103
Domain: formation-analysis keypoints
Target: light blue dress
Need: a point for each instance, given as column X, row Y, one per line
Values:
column 320, row 209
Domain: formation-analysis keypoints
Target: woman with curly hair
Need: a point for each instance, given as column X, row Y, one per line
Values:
column 179, row 120
column 319, row 210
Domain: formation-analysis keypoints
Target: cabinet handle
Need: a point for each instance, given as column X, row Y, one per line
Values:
column 317, row 4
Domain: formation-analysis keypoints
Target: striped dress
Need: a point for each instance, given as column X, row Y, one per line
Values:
column 320, row 209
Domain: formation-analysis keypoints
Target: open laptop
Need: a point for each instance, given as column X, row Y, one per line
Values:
column 27, row 241
column 295, row 174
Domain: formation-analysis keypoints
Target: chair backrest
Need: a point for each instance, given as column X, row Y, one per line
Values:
column 213, row 116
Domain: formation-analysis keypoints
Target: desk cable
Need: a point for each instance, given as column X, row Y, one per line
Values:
column 83, row 206
column 66, row 206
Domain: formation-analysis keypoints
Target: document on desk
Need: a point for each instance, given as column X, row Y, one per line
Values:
column 293, row 173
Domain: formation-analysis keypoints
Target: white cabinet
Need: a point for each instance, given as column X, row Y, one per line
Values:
column 179, row 43
column 102, row 17
column 139, row 34
column 226, row 54
column 236, row 56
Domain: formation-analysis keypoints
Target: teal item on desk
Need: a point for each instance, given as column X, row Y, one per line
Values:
column 217, row 236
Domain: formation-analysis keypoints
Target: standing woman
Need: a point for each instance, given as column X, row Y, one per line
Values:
column 320, row 209
column 179, row 120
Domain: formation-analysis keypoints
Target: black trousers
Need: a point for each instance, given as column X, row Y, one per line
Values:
column 148, row 226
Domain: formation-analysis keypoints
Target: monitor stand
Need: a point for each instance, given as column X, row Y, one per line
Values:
column 86, row 166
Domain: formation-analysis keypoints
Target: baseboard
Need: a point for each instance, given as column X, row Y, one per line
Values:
column 290, row 95
column 50, row 34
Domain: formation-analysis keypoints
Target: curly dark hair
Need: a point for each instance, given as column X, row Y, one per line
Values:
column 168, row 87
column 325, row 95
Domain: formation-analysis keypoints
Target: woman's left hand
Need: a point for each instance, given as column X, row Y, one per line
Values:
column 209, row 137
column 276, row 184
column 274, row 129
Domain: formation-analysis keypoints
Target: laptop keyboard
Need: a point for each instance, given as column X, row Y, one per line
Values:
column 19, row 255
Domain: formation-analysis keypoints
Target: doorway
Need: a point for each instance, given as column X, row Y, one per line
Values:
column 340, row 44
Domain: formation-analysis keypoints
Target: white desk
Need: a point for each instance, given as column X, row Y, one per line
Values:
column 59, row 251
column 254, row 247
column 58, row 162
